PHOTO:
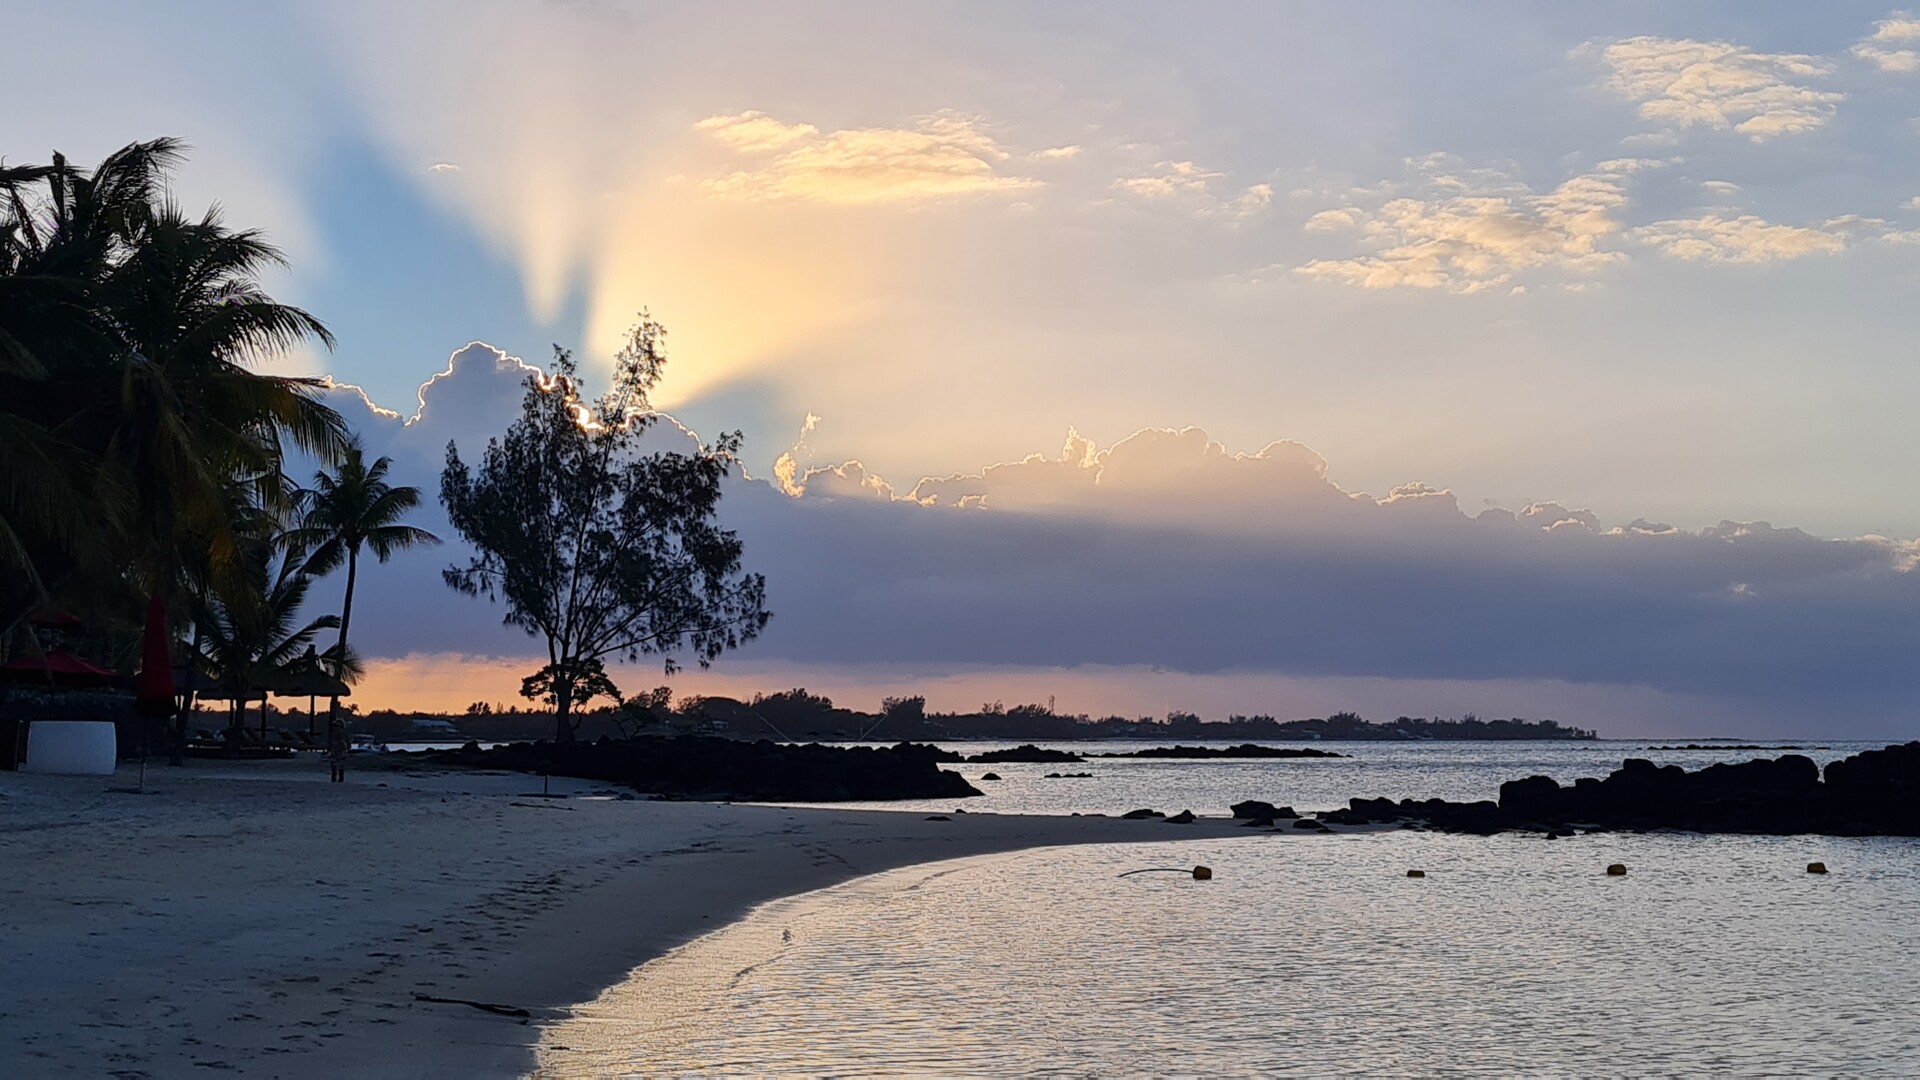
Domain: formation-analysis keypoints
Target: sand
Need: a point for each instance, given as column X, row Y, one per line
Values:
column 253, row 918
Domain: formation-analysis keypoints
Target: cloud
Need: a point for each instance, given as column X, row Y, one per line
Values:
column 944, row 156
column 1167, row 551
column 755, row 132
column 1718, row 84
column 1188, row 186
column 1058, row 153
column 1746, row 239
column 1721, row 187
column 443, row 167
column 846, row 480
column 1335, row 220
column 1880, row 48
column 1472, row 230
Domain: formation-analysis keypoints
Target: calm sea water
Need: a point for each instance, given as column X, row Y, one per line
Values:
column 1305, row 954
column 1447, row 770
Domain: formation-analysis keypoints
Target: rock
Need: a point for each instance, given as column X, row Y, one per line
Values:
column 1141, row 815
column 1416, row 873
column 938, row 817
column 1874, row 793
column 1816, row 868
column 1263, row 812
column 1026, row 753
column 1184, row 817
column 1534, row 795
column 1617, row 870
column 1244, row 750
column 990, row 776
column 695, row 766
column 1311, row 825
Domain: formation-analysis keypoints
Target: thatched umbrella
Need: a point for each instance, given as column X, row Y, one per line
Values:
column 303, row 681
column 310, row 681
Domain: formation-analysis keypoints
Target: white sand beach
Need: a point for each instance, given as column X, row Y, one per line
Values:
column 253, row 918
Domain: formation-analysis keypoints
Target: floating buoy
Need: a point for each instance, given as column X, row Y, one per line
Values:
column 1617, row 870
column 1816, row 868
column 1416, row 873
column 1203, row 873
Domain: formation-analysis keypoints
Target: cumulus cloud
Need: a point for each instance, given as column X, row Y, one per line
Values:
column 1718, row 84
column 1471, row 230
column 1883, row 48
column 1167, row 550
column 1744, row 239
column 946, row 155
column 844, row 481
column 1346, row 217
column 1197, row 190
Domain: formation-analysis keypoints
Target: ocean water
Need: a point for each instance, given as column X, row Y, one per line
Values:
column 1305, row 955
column 1461, row 771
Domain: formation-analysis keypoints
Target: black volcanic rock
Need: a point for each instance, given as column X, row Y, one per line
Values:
column 693, row 766
column 1244, row 750
column 1261, row 812
column 1141, row 814
column 1024, row 753
column 1873, row 793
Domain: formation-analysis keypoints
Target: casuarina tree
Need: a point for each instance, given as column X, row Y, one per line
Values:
column 593, row 543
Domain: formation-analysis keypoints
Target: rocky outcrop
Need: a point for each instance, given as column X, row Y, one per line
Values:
column 1026, row 753
column 692, row 766
column 1255, row 812
column 1875, row 793
column 1244, row 750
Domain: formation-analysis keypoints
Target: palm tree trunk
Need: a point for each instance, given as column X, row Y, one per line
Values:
column 178, row 751
column 346, row 617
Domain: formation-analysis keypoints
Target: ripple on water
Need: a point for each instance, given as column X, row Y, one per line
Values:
column 1304, row 955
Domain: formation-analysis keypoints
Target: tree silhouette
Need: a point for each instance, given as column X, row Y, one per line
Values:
column 601, row 549
column 351, row 508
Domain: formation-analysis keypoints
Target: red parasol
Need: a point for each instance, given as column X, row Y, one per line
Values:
column 65, row 668
column 153, row 692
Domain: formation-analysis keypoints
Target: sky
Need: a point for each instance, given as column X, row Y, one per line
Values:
column 1545, row 360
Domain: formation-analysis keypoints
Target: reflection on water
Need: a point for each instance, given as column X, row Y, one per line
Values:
column 1304, row 955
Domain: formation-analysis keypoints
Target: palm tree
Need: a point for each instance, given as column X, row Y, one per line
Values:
column 127, row 332
column 188, row 413
column 249, row 637
column 351, row 508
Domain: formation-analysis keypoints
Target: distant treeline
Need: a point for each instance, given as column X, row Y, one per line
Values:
column 796, row 715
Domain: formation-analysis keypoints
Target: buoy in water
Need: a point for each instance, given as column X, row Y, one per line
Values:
column 1203, row 873
column 1617, row 870
column 1416, row 873
column 1816, row 868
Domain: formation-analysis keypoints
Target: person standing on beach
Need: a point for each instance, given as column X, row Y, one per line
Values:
column 337, row 748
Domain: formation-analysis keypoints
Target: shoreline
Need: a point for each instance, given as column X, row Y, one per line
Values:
column 254, row 918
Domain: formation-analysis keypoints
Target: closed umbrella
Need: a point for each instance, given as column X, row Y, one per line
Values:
column 153, row 692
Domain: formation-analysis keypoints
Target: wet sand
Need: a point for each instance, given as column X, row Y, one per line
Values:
column 252, row 918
